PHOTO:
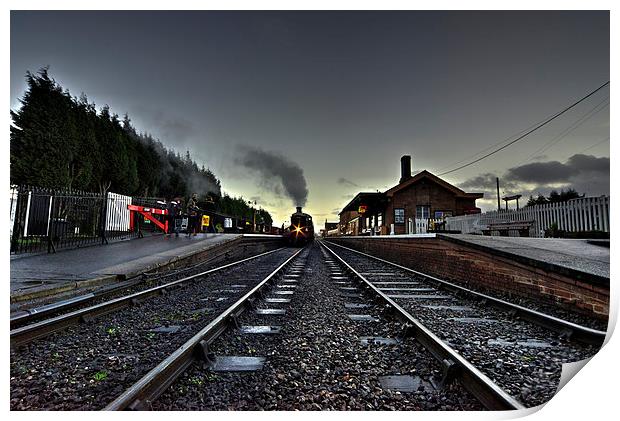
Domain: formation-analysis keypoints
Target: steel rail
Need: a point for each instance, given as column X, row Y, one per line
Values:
column 37, row 313
column 455, row 366
column 568, row 329
column 33, row 314
column 155, row 382
column 25, row 334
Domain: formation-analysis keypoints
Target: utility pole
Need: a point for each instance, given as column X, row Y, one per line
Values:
column 253, row 215
column 499, row 206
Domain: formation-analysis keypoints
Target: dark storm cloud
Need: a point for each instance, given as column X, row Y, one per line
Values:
column 484, row 182
column 540, row 173
column 585, row 173
column 556, row 172
column 276, row 172
column 584, row 163
column 346, row 182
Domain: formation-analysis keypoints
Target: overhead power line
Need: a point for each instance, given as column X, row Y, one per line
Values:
column 547, row 121
column 490, row 147
column 595, row 145
column 591, row 113
column 494, row 145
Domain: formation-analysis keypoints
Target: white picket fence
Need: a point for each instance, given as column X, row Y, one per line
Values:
column 422, row 225
column 117, row 213
column 13, row 205
column 582, row 214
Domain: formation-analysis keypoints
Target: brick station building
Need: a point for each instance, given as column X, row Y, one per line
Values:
column 423, row 196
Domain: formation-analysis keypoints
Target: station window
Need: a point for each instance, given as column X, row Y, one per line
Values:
column 443, row 214
column 399, row 215
column 422, row 211
column 380, row 220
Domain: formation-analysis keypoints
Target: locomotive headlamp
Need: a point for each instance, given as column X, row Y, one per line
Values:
column 298, row 230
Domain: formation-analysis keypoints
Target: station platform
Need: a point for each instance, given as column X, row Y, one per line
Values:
column 581, row 257
column 584, row 256
column 49, row 274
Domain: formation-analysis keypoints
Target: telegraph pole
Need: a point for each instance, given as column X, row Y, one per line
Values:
column 499, row 206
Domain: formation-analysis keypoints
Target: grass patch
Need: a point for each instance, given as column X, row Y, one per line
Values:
column 100, row 375
column 196, row 381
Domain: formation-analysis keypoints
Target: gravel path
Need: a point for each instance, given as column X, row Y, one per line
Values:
column 523, row 358
column 87, row 366
column 317, row 361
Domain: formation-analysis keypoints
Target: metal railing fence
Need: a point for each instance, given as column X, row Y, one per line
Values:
column 44, row 219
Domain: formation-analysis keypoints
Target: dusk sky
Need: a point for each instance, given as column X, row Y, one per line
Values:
column 260, row 97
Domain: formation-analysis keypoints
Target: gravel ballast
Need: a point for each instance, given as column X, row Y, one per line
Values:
column 317, row 361
column 523, row 358
column 87, row 366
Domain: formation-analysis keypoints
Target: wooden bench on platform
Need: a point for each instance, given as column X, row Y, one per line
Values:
column 509, row 229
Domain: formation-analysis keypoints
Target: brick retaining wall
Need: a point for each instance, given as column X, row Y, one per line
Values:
column 488, row 272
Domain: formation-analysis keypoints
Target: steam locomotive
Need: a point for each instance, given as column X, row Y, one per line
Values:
column 301, row 230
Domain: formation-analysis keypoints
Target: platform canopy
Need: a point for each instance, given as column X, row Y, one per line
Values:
column 369, row 201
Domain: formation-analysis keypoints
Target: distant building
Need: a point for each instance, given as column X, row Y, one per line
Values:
column 331, row 228
column 423, row 196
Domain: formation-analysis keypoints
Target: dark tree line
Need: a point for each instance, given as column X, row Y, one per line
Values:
column 554, row 197
column 239, row 207
column 60, row 141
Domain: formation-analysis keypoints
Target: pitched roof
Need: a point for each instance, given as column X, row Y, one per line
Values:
column 367, row 196
column 432, row 177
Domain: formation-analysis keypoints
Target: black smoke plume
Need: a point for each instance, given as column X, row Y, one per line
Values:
column 276, row 171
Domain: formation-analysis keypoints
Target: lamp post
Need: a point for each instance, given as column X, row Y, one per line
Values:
column 253, row 215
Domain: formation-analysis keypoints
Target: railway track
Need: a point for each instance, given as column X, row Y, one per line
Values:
column 522, row 350
column 140, row 282
column 94, row 305
column 91, row 362
column 564, row 327
column 192, row 376
column 309, row 329
column 155, row 382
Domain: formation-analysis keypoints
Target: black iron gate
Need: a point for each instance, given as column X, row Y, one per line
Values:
column 44, row 220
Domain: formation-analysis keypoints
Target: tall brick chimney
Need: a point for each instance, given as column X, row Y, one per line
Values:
column 405, row 168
